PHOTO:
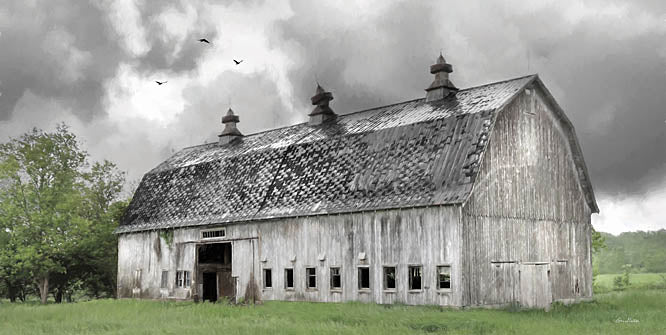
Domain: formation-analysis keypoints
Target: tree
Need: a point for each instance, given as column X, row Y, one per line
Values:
column 598, row 244
column 56, row 214
column 623, row 281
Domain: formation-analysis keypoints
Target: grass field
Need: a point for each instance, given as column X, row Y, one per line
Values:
column 604, row 282
column 628, row 312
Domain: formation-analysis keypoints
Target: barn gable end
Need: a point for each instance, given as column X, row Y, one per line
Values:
column 529, row 212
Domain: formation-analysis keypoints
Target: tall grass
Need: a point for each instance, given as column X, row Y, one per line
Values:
column 608, row 314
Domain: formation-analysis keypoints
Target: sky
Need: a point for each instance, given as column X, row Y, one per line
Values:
column 93, row 65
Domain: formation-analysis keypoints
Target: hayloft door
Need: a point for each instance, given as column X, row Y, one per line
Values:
column 535, row 285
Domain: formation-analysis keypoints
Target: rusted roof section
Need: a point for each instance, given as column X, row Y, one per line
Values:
column 407, row 154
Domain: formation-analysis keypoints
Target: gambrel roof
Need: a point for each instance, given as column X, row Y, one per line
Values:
column 414, row 153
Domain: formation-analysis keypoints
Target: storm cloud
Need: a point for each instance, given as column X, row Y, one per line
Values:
column 93, row 66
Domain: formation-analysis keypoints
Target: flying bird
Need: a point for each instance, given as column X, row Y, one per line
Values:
column 160, row 82
column 203, row 40
column 238, row 62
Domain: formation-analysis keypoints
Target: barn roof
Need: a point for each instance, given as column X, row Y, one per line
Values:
column 413, row 153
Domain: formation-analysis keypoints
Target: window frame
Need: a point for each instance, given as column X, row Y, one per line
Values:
column 395, row 278
column 293, row 284
column 183, row 279
column 188, row 278
column 308, row 276
column 330, row 276
column 221, row 229
column 164, row 281
column 359, row 268
column 437, row 273
column 410, row 278
column 263, row 274
column 179, row 279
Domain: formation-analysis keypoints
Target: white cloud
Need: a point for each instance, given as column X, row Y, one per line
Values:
column 125, row 18
column 133, row 95
column 176, row 26
column 622, row 213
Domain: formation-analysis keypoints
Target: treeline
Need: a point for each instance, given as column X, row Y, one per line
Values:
column 57, row 216
column 645, row 251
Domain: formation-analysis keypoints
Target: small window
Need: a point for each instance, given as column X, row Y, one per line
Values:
column 213, row 233
column 179, row 278
column 389, row 277
column 363, row 278
column 336, row 280
column 444, row 277
column 268, row 278
column 311, row 278
column 289, row 278
column 165, row 279
column 415, row 275
column 183, row 279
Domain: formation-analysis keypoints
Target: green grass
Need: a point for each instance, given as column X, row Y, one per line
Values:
column 153, row 317
column 604, row 282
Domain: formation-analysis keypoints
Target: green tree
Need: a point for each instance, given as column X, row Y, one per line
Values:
column 623, row 281
column 57, row 214
column 598, row 244
column 598, row 241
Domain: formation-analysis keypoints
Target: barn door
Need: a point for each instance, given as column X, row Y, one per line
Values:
column 535, row 286
column 227, row 284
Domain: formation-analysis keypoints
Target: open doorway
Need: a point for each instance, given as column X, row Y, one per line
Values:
column 214, row 269
column 209, row 287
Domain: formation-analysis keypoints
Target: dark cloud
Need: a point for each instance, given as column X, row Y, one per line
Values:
column 610, row 79
column 253, row 101
column 55, row 49
column 44, row 47
column 381, row 62
column 160, row 56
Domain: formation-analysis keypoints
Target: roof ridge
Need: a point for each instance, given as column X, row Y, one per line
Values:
column 371, row 109
column 501, row 81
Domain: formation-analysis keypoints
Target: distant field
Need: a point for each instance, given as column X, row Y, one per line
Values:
column 637, row 280
column 627, row 312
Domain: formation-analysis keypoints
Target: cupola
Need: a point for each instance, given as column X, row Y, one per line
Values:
column 322, row 113
column 230, row 132
column 442, row 86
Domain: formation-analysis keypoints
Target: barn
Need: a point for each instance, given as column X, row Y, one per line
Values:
column 467, row 197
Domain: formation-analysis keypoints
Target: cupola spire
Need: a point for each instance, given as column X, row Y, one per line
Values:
column 230, row 132
column 322, row 113
column 442, row 85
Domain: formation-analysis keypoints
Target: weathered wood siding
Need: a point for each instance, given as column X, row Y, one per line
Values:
column 527, row 206
column 148, row 253
column 427, row 236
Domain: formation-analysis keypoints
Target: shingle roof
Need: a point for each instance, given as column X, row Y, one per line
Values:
column 407, row 154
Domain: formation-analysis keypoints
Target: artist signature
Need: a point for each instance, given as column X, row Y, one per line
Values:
column 627, row 320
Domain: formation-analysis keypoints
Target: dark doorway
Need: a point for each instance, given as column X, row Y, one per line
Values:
column 217, row 253
column 214, row 262
column 210, row 286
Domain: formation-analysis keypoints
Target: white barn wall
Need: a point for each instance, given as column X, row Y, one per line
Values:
column 428, row 236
